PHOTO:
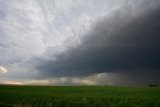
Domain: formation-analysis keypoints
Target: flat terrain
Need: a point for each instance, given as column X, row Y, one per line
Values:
column 79, row 96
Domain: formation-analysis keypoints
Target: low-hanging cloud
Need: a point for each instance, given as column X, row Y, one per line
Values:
column 125, row 42
column 77, row 41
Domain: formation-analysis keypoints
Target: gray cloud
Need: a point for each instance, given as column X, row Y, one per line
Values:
column 79, row 40
column 125, row 42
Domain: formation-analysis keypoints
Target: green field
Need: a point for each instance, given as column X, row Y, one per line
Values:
column 79, row 96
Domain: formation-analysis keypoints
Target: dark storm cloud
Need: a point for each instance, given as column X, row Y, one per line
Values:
column 124, row 42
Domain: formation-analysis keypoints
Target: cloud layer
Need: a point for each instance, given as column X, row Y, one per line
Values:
column 125, row 42
column 80, row 42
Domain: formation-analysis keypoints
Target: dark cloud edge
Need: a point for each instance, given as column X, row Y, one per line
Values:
column 114, row 45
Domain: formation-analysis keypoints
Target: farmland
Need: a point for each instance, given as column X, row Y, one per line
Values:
column 79, row 96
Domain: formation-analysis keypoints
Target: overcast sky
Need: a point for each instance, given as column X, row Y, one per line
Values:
column 80, row 42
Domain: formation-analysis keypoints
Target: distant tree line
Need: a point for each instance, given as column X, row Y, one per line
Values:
column 153, row 85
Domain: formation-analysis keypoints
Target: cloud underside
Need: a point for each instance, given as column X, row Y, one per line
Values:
column 124, row 42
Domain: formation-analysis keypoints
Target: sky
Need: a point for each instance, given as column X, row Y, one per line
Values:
column 80, row 42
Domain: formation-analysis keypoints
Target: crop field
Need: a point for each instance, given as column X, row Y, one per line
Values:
column 79, row 96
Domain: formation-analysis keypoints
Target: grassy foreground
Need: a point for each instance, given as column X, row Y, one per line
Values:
column 79, row 96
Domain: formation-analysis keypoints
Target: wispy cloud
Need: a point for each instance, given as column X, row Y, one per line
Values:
column 3, row 70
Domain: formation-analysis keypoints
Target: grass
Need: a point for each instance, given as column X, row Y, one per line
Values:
column 79, row 96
